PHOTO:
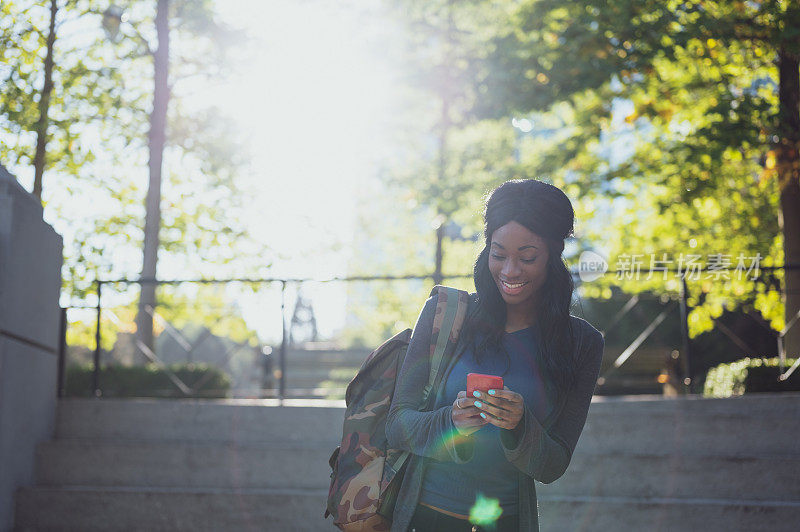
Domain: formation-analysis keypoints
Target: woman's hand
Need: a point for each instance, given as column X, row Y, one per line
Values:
column 502, row 408
column 465, row 416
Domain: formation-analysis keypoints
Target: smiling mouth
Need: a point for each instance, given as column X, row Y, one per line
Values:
column 512, row 289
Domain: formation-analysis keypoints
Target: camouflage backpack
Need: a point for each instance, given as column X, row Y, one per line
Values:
column 366, row 474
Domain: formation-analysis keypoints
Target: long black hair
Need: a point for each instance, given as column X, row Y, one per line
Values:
column 546, row 211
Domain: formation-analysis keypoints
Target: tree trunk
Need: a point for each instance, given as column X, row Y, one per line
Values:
column 44, row 106
column 788, row 165
column 445, row 94
column 441, row 220
column 157, row 139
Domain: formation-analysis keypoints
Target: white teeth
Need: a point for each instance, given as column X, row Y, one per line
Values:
column 512, row 286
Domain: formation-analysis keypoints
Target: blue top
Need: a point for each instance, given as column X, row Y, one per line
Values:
column 455, row 486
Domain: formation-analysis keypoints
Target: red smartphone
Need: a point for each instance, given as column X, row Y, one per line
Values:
column 483, row 383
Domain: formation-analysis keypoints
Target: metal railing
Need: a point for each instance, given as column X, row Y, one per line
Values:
column 680, row 303
column 283, row 282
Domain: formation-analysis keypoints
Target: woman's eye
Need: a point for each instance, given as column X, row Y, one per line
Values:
column 527, row 261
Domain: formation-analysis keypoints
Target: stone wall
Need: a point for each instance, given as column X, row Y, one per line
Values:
column 30, row 283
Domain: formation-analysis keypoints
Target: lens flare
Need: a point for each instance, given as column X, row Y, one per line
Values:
column 450, row 438
column 485, row 512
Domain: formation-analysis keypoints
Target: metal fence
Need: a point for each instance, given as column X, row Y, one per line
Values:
column 630, row 321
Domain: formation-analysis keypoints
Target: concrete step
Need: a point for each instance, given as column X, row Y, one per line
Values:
column 578, row 514
column 313, row 379
column 347, row 358
column 763, row 423
column 315, row 392
column 300, row 380
column 152, row 464
column 763, row 404
column 758, row 477
column 89, row 508
column 101, row 508
column 313, row 365
column 198, row 420
column 663, row 426
column 641, row 464
column 335, row 392
column 180, row 464
column 304, row 387
column 732, row 435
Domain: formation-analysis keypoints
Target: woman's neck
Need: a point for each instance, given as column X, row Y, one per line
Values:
column 519, row 318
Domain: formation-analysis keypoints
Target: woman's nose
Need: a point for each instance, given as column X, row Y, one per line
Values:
column 510, row 269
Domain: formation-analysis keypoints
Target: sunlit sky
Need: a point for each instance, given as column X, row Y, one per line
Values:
column 315, row 93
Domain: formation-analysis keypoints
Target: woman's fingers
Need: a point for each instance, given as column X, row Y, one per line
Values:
column 504, row 420
column 492, row 402
column 466, row 417
column 465, row 424
column 504, row 395
column 462, row 401
column 475, row 421
column 497, row 412
column 503, row 408
column 467, row 412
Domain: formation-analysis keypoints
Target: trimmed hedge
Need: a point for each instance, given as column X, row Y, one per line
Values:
column 750, row 375
column 147, row 381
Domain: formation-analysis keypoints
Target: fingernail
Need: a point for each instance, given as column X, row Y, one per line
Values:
column 491, row 392
column 483, row 415
column 476, row 393
column 478, row 404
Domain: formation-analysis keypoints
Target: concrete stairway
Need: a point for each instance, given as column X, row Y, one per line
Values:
column 641, row 464
column 321, row 374
column 682, row 464
column 183, row 465
column 312, row 374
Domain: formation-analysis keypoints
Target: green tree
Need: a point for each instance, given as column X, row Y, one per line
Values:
column 97, row 139
column 702, row 94
column 444, row 44
column 433, row 186
column 41, row 85
column 197, row 22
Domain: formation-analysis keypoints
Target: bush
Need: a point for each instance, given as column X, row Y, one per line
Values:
column 749, row 375
column 148, row 381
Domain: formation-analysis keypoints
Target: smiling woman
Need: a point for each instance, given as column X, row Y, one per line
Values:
column 518, row 263
column 518, row 327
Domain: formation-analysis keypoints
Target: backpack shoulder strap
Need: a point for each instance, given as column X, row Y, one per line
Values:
column 451, row 309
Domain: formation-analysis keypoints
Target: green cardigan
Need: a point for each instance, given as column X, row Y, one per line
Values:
column 543, row 450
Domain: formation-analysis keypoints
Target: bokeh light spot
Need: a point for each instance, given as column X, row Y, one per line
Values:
column 485, row 512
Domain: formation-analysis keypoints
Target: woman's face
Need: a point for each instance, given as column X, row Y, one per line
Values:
column 518, row 264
